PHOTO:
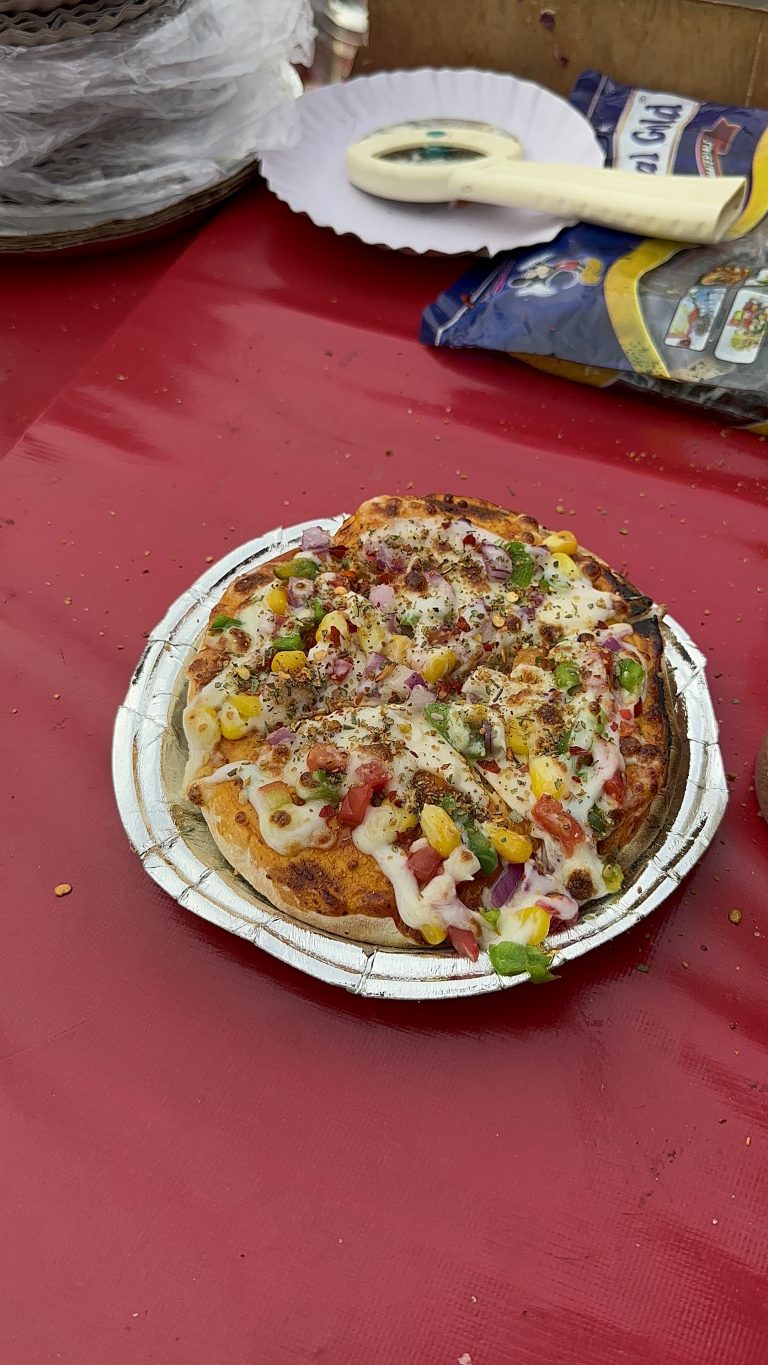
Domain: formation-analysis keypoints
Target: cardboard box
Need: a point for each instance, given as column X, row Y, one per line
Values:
column 705, row 49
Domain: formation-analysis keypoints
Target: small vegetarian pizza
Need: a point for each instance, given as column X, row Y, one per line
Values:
column 445, row 724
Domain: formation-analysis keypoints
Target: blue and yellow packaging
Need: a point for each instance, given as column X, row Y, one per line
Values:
column 606, row 307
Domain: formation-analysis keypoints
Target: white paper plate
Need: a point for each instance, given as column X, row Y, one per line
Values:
column 311, row 178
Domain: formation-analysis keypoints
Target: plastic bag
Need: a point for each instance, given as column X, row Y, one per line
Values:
column 599, row 306
column 126, row 123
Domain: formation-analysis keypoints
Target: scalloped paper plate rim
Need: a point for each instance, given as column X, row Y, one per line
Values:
column 172, row 840
column 310, row 177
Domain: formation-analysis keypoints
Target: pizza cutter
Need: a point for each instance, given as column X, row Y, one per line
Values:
column 431, row 161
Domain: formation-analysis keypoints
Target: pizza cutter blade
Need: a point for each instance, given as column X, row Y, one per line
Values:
column 437, row 161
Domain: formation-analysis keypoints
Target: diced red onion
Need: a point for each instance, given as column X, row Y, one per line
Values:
column 436, row 580
column 374, row 665
column 561, row 907
column 383, row 595
column 315, row 538
column 488, row 737
column 300, row 590
column 497, row 562
column 340, row 668
column 420, row 697
column 505, row 886
column 611, row 644
column 281, row 736
column 414, row 680
column 536, row 598
column 387, row 558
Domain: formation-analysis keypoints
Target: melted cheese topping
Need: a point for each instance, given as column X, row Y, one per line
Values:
column 445, row 616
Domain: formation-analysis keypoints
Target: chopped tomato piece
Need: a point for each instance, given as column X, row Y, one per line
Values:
column 552, row 816
column 326, row 812
column 462, row 624
column 464, row 942
column 373, row 775
column 615, row 788
column 489, row 764
column 469, row 539
column 326, row 756
column 355, row 804
column 625, row 713
column 424, row 863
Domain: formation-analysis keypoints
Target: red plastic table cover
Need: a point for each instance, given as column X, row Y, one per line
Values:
column 208, row 1157
column 56, row 314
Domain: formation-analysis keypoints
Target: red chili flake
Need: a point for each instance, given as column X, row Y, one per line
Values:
column 339, row 551
column 639, row 708
column 625, row 713
column 335, row 635
column 490, row 765
column 461, row 624
column 352, row 628
column 445, row 525
column 469, row 539
column 488, row 647
column 326, row 812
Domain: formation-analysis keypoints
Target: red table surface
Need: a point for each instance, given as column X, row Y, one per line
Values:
column 208, row 1157
column 57, row 312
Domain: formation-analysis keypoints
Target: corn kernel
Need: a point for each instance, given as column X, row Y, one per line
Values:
column 509, row 843
column 232, row 726
column 548, row 777
column 433, row 933
column 396, row 648
column 439, row 830
column 330, row 620
column 613, row 877
column 277, row 600
column 289, row 661
column 246, row 705
column 515, row 737
column 402, row 818
column 439, row 663
column 205, row 721
column 273, row 795
column 536, row 921
column 562, row 540
column 373, row 637
column 565, row 565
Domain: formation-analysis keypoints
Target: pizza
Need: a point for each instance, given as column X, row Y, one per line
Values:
column 444, row 725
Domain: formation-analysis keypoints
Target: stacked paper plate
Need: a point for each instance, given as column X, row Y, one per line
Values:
column 114, row 113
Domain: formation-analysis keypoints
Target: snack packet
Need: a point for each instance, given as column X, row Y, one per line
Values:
column 602, row 307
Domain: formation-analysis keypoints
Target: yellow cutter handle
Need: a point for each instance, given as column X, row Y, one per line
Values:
column 684, row 208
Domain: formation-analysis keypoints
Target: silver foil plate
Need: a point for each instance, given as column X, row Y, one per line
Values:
column 174, row 844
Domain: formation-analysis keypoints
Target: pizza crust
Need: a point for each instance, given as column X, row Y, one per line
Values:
column 306, row 886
